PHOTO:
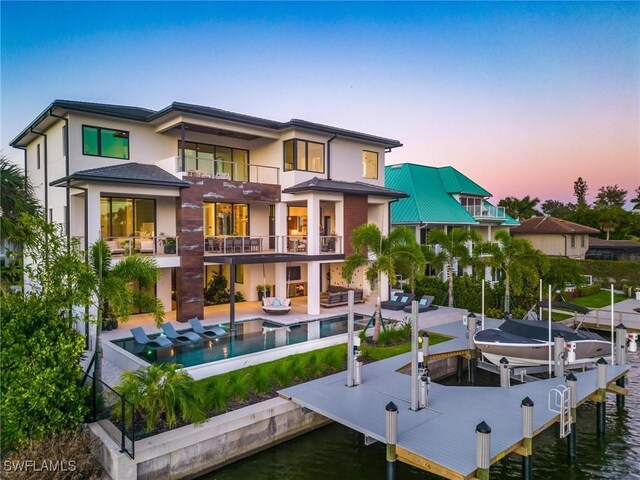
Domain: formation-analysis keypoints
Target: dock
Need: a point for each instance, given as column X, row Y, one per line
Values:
column 600, row 319
column 440, row 438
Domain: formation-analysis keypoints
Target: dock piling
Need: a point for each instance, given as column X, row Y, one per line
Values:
column 415, row 375
column 471, row 331
column 601, row 394
column 527, row 434
column 392, row 438
column 350, row 346
column 505, row 373
column 572, row 384
column 483, row 450
column 558, row 355
column 621, row 359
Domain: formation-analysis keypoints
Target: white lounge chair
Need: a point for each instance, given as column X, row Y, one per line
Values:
column 146, row 246
column 115, row 249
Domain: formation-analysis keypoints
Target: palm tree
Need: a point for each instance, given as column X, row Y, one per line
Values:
column 113, row 295
column 515, row 257
column 520, row 208
column 384, row 256
column 453, row 246
column 17, row 198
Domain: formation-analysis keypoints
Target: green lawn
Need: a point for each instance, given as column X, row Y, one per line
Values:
column 598, row 300
column 380, row 353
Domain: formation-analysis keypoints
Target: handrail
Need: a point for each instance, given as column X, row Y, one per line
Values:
column 155, row 245
column 86, row 373
column 228, row 170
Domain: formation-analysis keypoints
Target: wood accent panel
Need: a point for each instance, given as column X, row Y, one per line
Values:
column 356, row 213
column 190, row 226
column 217, row 190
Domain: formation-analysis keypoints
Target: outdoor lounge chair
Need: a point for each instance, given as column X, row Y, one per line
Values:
column 115, row 249
column 398, row 301
column 142, row 338
column 146, row 246
column 171, row 333
column 276, row 305
column 424, row 305
column 210, row 332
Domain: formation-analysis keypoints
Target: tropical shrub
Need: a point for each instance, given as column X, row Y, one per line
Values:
column 606, row 272
column 40, row 391
column 161, row 391
column 431, row 286
column 217, row 292
column 216, row 396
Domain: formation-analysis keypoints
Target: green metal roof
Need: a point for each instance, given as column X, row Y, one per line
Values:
column 431, row 192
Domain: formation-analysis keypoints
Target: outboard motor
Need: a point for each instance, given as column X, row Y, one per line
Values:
column 633, row 342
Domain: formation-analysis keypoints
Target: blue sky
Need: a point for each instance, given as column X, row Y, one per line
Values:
column 521, row 97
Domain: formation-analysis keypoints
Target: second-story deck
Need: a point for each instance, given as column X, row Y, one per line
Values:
column 227, row 170
column 260, row 244
column 486, row 212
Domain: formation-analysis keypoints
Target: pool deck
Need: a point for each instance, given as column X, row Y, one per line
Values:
column 217, row 314
column 440, row 438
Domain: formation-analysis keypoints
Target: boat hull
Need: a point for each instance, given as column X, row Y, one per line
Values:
column 537, row 353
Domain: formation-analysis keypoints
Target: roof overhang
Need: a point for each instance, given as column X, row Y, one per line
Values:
column 253, row 259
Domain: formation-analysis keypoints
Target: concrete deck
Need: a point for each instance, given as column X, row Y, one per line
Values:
column 442, row 437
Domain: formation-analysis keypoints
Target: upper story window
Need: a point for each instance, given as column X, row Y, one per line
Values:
column 582, row 241
column 573, row 241
column 38, row 155
column 369, row 164
column 303, row 155
column 215, row 160
column 105, row 142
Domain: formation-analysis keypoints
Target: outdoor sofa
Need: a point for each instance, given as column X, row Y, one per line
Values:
column 338, row 295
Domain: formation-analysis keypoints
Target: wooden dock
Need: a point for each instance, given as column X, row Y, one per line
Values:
column 441, row 438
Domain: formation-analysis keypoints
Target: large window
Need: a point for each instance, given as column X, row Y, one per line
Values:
column 303, row 155
column 214, row 159
column 105, row 142
column 127, row 217
column 369, row 164
column 226, row 219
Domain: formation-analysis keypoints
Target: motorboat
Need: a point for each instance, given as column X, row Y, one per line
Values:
column 526, row 342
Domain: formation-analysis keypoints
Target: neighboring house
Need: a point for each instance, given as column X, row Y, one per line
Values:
column 556, row 237
column 207, row 191
column 626, row 250
column 443, row 198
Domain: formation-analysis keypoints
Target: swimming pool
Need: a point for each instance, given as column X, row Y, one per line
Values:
column 252, row 336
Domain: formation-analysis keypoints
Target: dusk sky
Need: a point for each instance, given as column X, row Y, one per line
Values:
column 521, row 97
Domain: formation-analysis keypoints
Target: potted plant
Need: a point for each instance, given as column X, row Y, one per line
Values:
column 267, row 290
column 169, row 245
column 260, row 289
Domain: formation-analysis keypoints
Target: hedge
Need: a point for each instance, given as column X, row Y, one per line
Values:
column 606, row 272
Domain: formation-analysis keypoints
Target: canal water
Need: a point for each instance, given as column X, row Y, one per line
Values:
column 336, row 452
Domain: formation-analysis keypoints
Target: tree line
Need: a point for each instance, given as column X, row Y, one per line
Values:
column 607, row 213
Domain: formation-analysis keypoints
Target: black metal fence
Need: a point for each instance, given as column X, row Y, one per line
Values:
column 107, row 404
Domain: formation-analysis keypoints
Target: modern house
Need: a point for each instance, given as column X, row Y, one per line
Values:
column 210, row 192
column 556, row 237
column 443, row 198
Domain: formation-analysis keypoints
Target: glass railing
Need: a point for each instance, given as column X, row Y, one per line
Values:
column 226, row 170
column 235, row 244
column 157, row 246
column 485, row 211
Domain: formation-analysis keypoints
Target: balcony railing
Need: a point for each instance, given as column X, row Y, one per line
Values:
column 225, row 170
column 485, row 211
column 224, row 245
column 160, row 245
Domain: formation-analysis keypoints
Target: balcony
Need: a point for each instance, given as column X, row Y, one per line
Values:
column 257, row 244
column 487, row 212
column 226, row 170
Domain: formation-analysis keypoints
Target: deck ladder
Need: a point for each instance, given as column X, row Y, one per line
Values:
column 559, row 401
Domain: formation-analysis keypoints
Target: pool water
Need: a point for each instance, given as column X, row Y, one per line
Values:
column 252, row 336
